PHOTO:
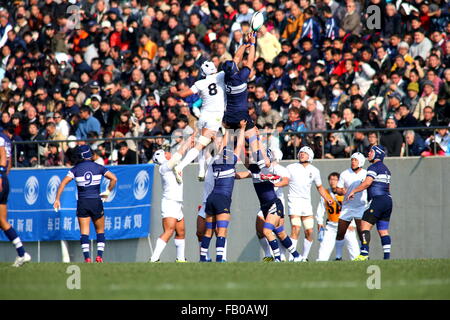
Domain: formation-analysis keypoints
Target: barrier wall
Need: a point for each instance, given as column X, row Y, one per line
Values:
column 419, row 224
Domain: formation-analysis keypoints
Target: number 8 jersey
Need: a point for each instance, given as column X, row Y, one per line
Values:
column 212, row 92
column 88, row 176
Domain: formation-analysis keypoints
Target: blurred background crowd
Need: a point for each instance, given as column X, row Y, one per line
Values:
column 88, row 69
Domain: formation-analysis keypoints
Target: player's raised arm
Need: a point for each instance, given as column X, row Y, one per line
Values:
column 363, row 186
column 182, row 94
column 64, row 182
column 252, row 51
column 241, row 138
column 324, row 194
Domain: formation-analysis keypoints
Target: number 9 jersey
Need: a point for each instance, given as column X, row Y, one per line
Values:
column 88, row 176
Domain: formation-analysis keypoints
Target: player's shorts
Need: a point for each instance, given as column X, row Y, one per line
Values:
column 380, row 208
column 348, row 214
column 217, row 204
column 300, row 207
column 172, row 209
column 210, row 120
column 275, row 207
column 90, row 208
column 5, row 189
column 232, row 120
column 201, row 210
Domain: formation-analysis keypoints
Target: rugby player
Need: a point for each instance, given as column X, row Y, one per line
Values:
column 88, row 176
column 377, row 183
column 352, row 209
column 212, row 92
column 5, row 167
column 333, row 211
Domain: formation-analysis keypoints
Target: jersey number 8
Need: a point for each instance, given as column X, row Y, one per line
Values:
column 212, row 89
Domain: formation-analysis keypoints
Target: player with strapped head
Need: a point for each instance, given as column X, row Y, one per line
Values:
column 352, row 209
column 171, row 202
column 212, row 92
column 301, row 177
column 270, row 218
column 218, row 203
column 236, row 79
column 5, row 167
column 88, row 176
column 377, row 183
column 333, row 212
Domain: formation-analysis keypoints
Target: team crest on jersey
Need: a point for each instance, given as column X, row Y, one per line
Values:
column 310, row 175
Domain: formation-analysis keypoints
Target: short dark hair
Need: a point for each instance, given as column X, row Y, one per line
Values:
column 334, row 174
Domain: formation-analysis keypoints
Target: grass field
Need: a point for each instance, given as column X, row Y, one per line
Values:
column 400, row 279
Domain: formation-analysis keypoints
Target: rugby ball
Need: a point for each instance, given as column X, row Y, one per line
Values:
column 257, row 21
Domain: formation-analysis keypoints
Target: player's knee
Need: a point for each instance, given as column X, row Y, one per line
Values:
column 295, row 230
column 203, row 141
column 260, row 233
column 200, row 234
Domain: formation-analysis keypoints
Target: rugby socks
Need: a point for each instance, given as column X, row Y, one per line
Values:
column 220, row 248
column 339, row 247
column 306, row 248
column 204, row 249
column 100, row 244
column 282, row 251
column 275, row 249
column 294, row 243
column 84, row 240
column 179, row 244
column 386, row 243
column 201, row 163
column 365, row 243
column 265, row 246
column 200, row 250
column 224, row 254
column 188, row 158
column 160, row 245
column 288, row 244
column 14, row 238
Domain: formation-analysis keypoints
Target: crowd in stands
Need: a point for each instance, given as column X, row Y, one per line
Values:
column 90, row 69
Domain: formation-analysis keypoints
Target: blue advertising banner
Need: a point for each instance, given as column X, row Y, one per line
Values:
column 32, row 193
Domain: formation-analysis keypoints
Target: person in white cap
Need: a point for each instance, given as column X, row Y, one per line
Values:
column 300, row 179
column 171, row 203
column 212, row 92
column 352, row 209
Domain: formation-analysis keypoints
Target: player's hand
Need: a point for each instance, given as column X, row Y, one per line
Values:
column 252, row 37
column 56, row 205
column 351, row 196
column 319, row 226
column 105, row 194
column 330, row 202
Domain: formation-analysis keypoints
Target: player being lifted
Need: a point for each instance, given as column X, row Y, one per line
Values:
column 218, row 204
column 333, row 211
column 88, row 175
column 212, row 92
column 171, row 202
column 5, row 166
column 237, row 97
column 301, row 177
column 271, row 208
column 352, row 209
column 377, row 183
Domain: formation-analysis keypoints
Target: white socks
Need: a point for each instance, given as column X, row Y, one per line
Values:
column 160, row 245
column 306, row 247
column 265, row 246
column 188, row 158
column 201, row 163
column 179, row 244
column 339, row 246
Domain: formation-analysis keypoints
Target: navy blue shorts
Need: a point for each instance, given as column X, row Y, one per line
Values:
column 92, row 208
column 217, row 203
column 274, row 207
column 380, row 209
column 5, row 189
column 232, row 120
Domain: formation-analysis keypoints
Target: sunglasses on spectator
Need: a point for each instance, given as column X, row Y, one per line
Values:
column 148, row 122
column 56, row 117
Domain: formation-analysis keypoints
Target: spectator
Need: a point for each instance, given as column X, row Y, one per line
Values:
column 87, row 123
column 54, row 157
column 294, row 123
column 268, row 115
column 412, row 98
column 428, row 98
column 404, row 117
column 268, row 46
column 360, row 109
column 314, row 118
column 293, row 146
column 392, row 140
column 414, row 143
column 126, row 156
column 351, row 23
column 349, row 122
column 372, row 137
column 293, row 29
column 438, row 144
column 429, row 120
column 335, row 146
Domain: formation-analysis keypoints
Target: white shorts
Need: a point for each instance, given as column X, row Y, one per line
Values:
column 172, row 209
column 210, row 120
column 201, row 212
column 348, row 214
column 300, row 207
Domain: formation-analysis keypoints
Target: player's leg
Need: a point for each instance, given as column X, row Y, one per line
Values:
column 343, row 224
column 222, row 222
column 256, row 147
column 383, row 226
column 272, row 221
column 262, row 239
column 168, row 224
column 179, row 240
column 99, row 224
column 84, row 223
column 351, row 242
column 308, row 225
column 283, row 249
column 286, row 241
column 11, row 234
column 328, row 242
column 201, row 229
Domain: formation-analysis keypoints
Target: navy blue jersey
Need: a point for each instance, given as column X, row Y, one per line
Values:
column 265, row 190
column 382, row 179
column 236, row 87
column 224, row 173
column 5, row 141
column 88, row 176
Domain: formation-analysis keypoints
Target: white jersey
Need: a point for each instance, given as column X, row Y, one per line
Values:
column 281, row 171
column 212, row 92
column 171, row 189
column 301, row 179
column 7, row 144
column 350, row 180
column 208, row 185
